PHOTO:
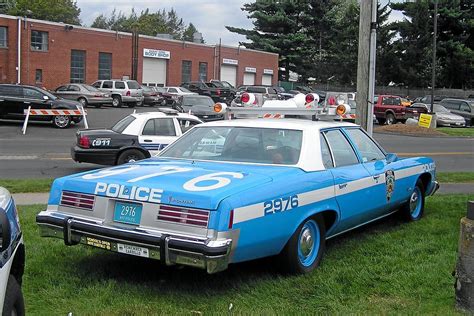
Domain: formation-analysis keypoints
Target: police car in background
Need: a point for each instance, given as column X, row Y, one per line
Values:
column 135, row 137
column 12, row 257
column 237, row 190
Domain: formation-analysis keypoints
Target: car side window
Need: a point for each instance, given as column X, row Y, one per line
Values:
column 341, row 149
column 11, row 91
column 61, row 88
column 186, row 124
column 32, row 94
column 119, row 85
column 465, row 107
column 149, row 128
column 73, row 88
column 107, row 85
column 165, row 127
column 325, row 153
column 451, row 105
column 172, row 90
column 368, row 149
column 96, row 84
column 387, row 101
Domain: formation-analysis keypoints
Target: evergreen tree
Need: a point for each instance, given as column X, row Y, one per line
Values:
column 65, row 11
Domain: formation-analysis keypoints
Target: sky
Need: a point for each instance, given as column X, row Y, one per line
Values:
column 209, row 16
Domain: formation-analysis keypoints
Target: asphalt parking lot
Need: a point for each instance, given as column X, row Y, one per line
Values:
column 44, row 152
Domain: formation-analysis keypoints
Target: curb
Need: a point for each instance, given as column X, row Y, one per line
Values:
column 424, row 136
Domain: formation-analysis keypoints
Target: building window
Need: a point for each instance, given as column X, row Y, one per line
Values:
column 78, row 66
column 39, row 40
column 105, row 66
column 3, row 36
column 39, row 75
column 186, row 71
column 203, row 71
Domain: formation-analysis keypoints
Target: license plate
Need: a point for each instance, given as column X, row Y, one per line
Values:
column 133, row 250
column 128, row 213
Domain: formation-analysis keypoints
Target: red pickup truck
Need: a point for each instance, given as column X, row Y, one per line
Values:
column 389, row 109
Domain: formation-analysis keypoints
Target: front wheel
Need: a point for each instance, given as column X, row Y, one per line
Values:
column 130, row 155
column 116, row 101
column 83, row 102
column 14, row 303
column 413, row 210
column 305, row 249
column 61, row 121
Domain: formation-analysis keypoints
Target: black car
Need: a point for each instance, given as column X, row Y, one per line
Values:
column 15, row 99
column 218, row 94
column 201, row 106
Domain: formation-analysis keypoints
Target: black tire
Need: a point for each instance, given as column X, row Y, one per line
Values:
column 381, row 121
column 82, row 101
column 130, row 155
column 98, row 105
column 390, row 119
column 116, row 101
column 414, row 209
column 292, row 256
column 14, row 303
column 61, row 121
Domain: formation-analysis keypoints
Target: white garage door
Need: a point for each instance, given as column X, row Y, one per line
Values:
column 154, row 71
column 249, row 79
column 229, row 74
column 267, row 80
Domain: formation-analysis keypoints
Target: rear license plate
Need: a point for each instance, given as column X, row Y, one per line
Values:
column 128, row 213
column 133, row 250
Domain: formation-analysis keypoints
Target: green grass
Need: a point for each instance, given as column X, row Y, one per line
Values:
column 389, row 267
column 468, row 131
column 455, row 177
column 26, row 185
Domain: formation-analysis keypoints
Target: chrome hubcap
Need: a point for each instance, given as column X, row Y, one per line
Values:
column 306, row 242
column 61, row 120
column 115, row 101
column 413, row 201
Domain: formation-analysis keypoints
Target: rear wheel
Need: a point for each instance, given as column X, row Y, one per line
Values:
column 61, row 121
column 82, row 101
column 381, row 121
column 132, row 104
column 14, row 303
column 391, row 119
column 130, row 155
column 413, row 210
column 116, row 101
column 305, row 249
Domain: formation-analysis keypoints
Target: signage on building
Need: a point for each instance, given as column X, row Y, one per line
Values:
column 250, row 69
column 230, row 61
column 268, row 71
column 155, row 53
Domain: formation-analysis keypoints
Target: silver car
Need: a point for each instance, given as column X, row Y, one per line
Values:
column 126, row 92
column 443, row 116
column 84, row 93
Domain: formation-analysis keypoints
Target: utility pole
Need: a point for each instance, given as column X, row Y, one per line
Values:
column 363, row 63
column 433, row 70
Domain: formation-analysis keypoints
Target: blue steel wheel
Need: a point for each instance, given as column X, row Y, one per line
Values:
column 413, row 210
column 305, row 249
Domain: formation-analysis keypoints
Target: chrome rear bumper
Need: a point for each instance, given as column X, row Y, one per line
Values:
column 208, row 254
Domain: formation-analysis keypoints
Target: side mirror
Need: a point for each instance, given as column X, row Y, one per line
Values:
column 391, row 158
column 5, row 233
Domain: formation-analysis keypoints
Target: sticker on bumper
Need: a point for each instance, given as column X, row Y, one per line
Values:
column 133, row 250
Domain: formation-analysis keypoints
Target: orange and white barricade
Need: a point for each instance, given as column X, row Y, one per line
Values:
column 53, row 112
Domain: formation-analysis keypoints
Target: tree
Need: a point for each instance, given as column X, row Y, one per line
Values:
column 188, row 34
column 65, row 11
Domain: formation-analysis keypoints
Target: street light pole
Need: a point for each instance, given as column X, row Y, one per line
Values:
column 433, row 70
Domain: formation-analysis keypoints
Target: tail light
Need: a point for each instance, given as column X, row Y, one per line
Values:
column 309, row 98
column 128, row 93
column 77, row 200
column 245, row 97
column 84, row 142
column 231, row 219
column 218, row 92
column 182, row 215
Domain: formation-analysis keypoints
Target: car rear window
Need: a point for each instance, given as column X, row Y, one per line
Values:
column 132, row 84
column 191, row 100
column 90, row 88
column 121, row 125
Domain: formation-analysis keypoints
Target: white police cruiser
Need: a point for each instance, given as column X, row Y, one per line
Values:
column 238, row 190
column 135, row 137
column 12, row 257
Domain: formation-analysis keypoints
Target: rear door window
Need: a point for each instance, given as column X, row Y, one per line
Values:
column 341, row 149
column 325, row 153
column 107, row 85
column 465, row 107
column 132, row 84
column 11, row 91
column 119, row 85
column 159, row 127
column 32, row 94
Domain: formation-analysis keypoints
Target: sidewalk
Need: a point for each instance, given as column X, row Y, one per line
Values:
column 42, row 198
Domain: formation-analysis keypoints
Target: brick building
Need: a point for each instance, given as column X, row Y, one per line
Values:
column 50, row 54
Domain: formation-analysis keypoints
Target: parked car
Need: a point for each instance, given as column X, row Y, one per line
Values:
column 151, row 97
column 427, row 99
column 227, row 85
column 169, row 98
column 15, row 99
column 84, row 94
column 12, row 257
column 282, row 93
column 135, row 137
column 443, row 116
column 389, row 109
column 126, row 92
column 262, row 94
column 464, row 108
column 201, row 106
column 238, row 190
column 179, row 91
column 217, row 94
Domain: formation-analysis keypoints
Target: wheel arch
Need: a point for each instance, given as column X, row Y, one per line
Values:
column 389, row 111
column 18, row 265
column 425, row 179
column 144, row 151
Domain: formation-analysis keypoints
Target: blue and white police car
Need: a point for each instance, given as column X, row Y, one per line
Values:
column 12, row 257
column 135, row 137
column 237, row 190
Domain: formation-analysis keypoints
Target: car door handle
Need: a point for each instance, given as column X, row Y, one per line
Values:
column 147, row 140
